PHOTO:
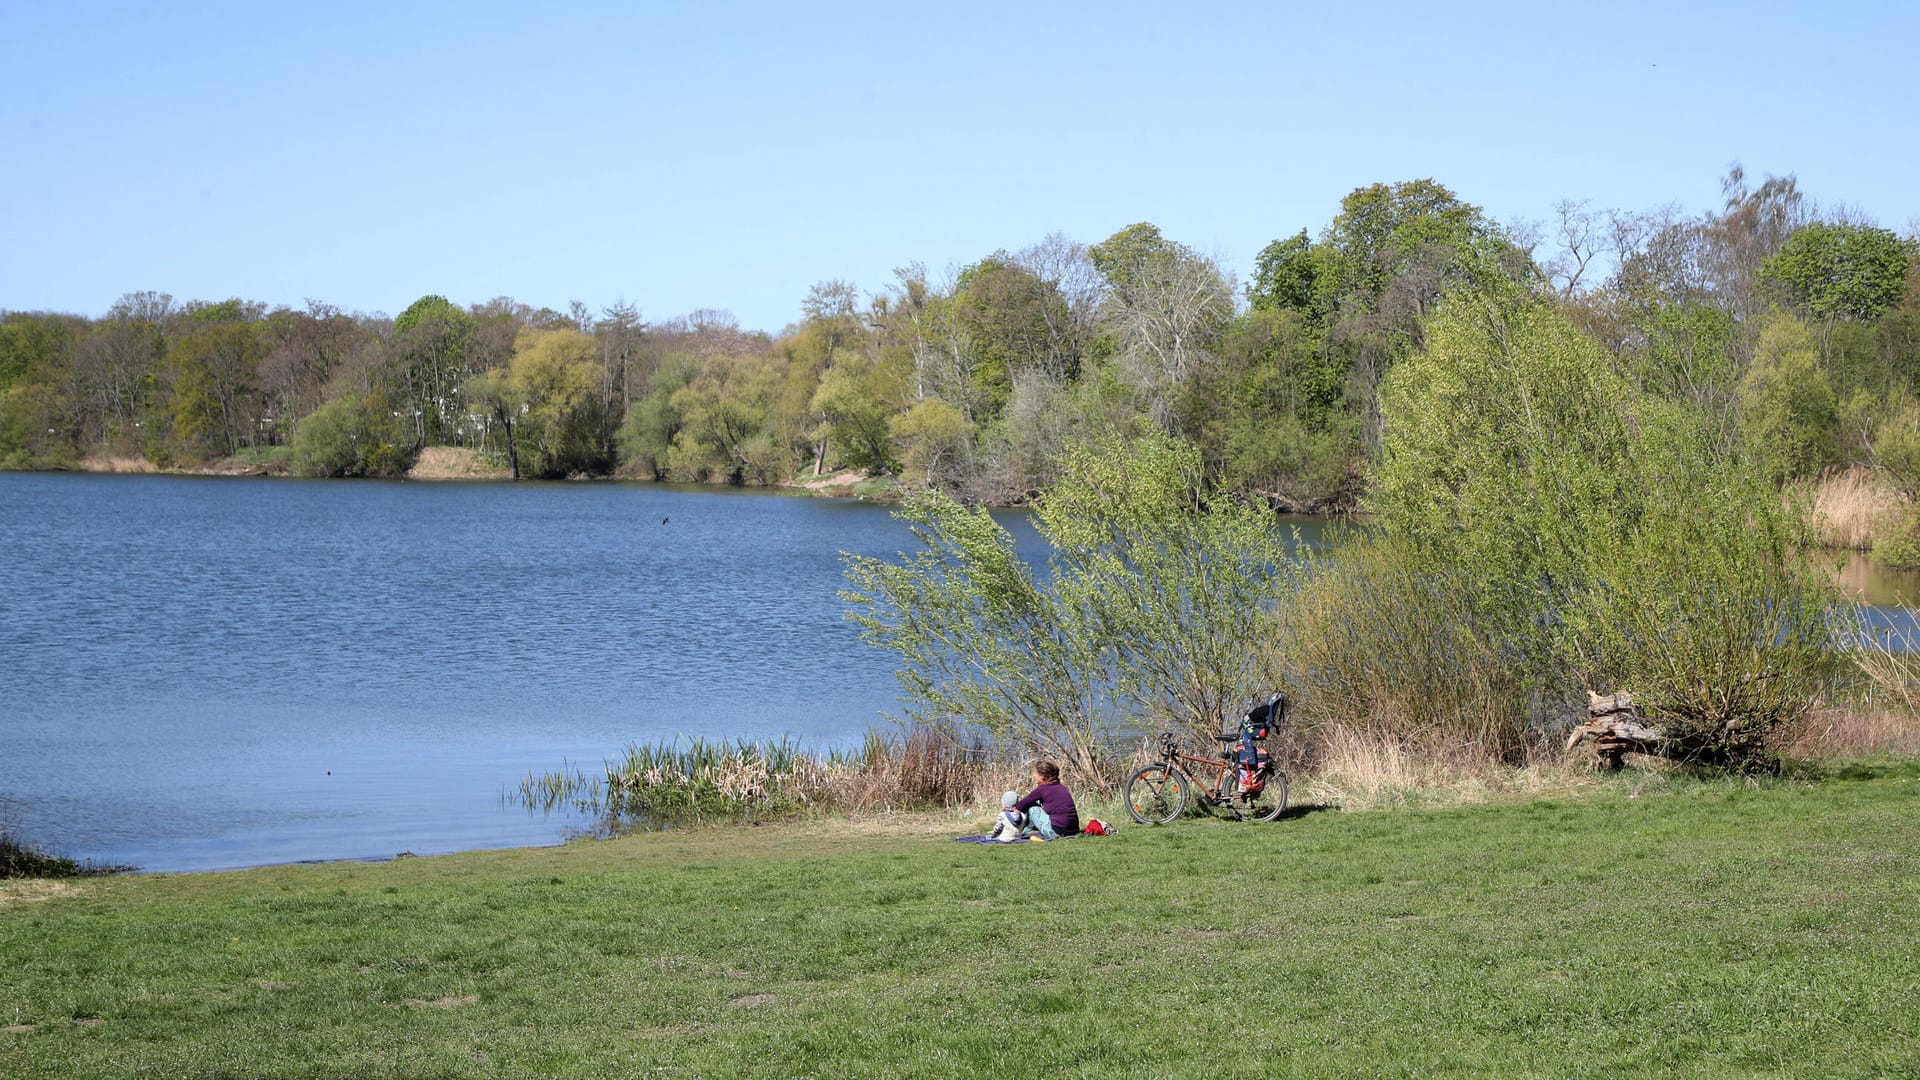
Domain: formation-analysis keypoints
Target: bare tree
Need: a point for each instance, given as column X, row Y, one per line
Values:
column 1755, row 223
column 1582, row 235
column 1167, row 314
column 620, row 330
column 1062, row 263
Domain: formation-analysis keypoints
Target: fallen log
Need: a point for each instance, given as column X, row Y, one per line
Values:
column 1616, row 728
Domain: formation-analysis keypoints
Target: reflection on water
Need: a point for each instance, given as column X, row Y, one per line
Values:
column 1870, row 582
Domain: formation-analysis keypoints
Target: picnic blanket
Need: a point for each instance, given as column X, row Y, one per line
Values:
column 986, row 838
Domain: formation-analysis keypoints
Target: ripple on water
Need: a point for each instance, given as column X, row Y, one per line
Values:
column 205, row 672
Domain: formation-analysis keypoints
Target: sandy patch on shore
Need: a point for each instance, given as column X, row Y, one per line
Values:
column 833, row 483
column 234, row 466
column 454, row 463
column 113, row 463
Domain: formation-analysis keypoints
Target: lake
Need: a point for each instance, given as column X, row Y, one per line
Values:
column 203, row 673
column 199, row 672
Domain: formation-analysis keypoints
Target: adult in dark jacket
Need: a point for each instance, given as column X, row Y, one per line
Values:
column 1049, row 806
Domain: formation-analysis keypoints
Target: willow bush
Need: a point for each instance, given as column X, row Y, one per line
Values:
column 1157, row 607
column 1558, row 530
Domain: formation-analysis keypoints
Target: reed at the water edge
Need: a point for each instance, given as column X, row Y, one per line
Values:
column 695, row 780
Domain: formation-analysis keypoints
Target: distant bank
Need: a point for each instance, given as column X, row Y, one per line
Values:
column 456, row 463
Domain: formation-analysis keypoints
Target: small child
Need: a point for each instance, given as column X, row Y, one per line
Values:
column 1008, row 827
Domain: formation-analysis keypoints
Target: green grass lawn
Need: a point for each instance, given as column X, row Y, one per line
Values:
column 1713, row 931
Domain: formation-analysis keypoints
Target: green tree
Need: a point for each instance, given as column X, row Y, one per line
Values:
column 1402, row 245
column 1273, row 415
column 39, row 414
column 857, row 397
column 548, row 404
column 1122, row 257
column 434, row 341
column 33, row 419
column 724, row 416
column 213, row 370
column 563, row 430
column 1833, row 271
column 1788, row 410
column 353, row 435
column 1286, row 277
column 931, row 441
column 1008, row 316
column 647, row 434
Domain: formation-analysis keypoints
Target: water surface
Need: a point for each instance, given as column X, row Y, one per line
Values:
column 219, row 672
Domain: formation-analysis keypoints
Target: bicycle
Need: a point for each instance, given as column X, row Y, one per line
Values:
column 1159, row 792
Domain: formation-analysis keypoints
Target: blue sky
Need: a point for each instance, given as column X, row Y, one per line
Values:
column 729, row 155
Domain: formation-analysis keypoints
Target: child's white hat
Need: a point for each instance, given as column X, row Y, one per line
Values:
column 1008, row 798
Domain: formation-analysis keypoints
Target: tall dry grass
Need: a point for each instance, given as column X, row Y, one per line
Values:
column 1876, row 711
column 1374, row 643
column 1851, row 509
column 1367, row 769
column 1852, row 730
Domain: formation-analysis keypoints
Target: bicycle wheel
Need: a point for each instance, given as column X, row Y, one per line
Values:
column 1272, row 800
column 1156, row 794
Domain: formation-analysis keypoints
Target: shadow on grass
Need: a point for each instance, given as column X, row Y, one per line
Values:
column 1300, row 810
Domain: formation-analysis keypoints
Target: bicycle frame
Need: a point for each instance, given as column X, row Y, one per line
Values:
column 1226, row 774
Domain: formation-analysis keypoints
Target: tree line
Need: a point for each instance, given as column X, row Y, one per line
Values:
column 1790, row 328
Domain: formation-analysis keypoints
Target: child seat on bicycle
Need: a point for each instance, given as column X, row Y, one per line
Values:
column 1260, row 722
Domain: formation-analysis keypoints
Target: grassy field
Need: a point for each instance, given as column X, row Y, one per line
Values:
column 1714, row 930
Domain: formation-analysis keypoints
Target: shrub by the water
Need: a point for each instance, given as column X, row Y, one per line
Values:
column 1542, row 527
column 1157, row 608
column 352, row 436
column 1547, row 528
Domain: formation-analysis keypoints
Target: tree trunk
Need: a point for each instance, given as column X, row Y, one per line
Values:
column 513, row 448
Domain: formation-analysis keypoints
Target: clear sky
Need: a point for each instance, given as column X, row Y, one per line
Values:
column 729, row 155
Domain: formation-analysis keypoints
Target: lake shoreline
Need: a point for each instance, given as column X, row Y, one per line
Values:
column 445, row 464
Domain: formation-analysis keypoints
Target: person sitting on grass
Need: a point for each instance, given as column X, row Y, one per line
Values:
column 1011, row 823
column 1049, row 807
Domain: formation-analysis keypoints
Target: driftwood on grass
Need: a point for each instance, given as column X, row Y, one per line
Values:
column 1616, row 728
